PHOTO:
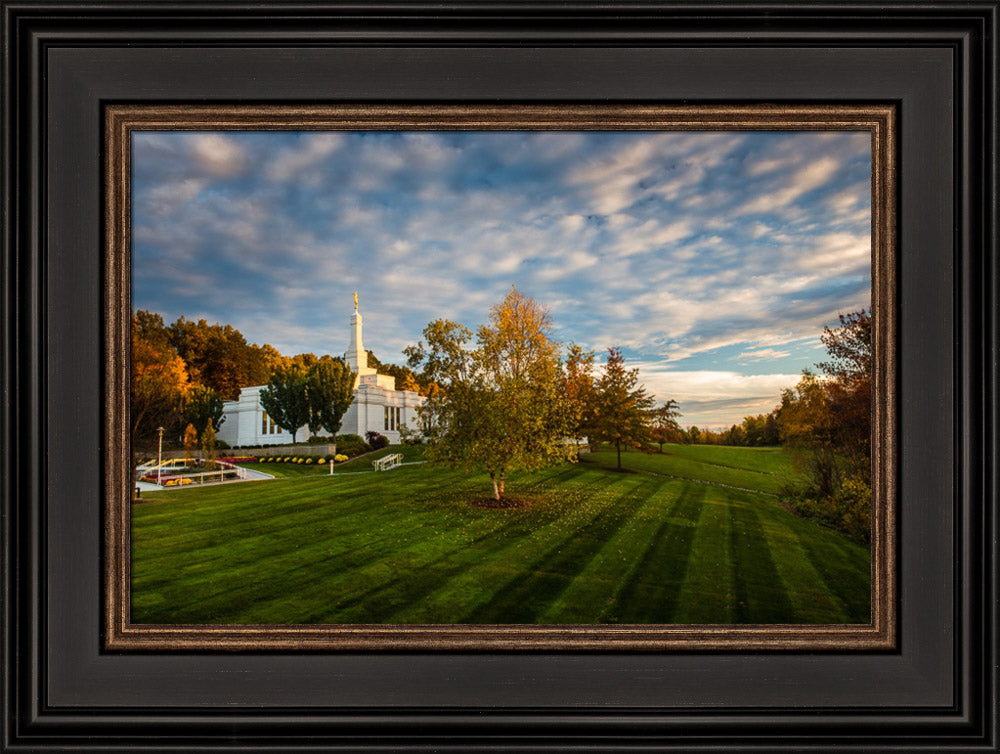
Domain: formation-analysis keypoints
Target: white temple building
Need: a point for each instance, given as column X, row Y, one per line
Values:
column 377, row 405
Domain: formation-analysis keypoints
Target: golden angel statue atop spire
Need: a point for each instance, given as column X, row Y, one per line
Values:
column 355, row 300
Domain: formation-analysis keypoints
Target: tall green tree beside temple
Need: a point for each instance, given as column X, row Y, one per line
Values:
column 499, row 407
column 330, row 390
column 203, row 405
column 286, row 398
column 621, row 406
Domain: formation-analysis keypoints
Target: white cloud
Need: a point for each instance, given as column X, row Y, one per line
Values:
column 163, row 200
column 763, row 354
column 289, row 164
column 218, row 155
column 806, row 179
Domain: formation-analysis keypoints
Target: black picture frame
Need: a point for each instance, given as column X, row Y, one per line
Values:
column 63, row 62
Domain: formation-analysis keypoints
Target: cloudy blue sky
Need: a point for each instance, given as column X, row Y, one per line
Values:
column 714, row 259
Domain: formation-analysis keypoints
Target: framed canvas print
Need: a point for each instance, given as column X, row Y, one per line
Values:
column 480, row 377
column 543, row 496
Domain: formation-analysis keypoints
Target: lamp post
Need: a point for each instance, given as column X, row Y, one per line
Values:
column 159, row 455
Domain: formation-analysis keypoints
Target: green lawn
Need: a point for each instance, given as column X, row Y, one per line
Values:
column 761, row 469
column 405, row 546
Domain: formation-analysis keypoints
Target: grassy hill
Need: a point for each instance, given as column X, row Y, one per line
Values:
column 665, row 543
column 755, row 469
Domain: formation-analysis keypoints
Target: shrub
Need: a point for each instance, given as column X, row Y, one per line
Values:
column 339, row 458
column 309, row 460
column 376, row 440
column 848, row 509
column 351, row 445
column 853, row 506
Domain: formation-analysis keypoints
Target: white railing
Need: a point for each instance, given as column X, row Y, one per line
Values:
column 388, row 462
column 226, row 470
column 166, row 465
column 202, row 477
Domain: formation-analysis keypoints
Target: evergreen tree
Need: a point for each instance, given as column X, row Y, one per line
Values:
column 621, row 406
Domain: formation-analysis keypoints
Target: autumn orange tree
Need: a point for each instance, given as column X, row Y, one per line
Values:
column 190, row 442
column 159, row 380
column 849, row 388
column 219, row 357
column 578, row 392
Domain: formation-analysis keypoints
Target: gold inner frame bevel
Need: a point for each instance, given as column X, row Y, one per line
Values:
column 121, row 634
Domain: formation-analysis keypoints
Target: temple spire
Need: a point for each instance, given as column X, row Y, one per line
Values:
column 357, row 357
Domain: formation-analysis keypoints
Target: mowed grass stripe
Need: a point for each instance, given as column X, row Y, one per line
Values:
column 374, row 591
column 479, row 586
column 253, row 560
column 522, row 599
column 237, row 532
column 601, row 581
column 812, row 599
column 844, row 565
column 775, row 461
column 758, row 592
column 686, row 468
column 705, row 595
column 409, row 545
column 653, row 587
